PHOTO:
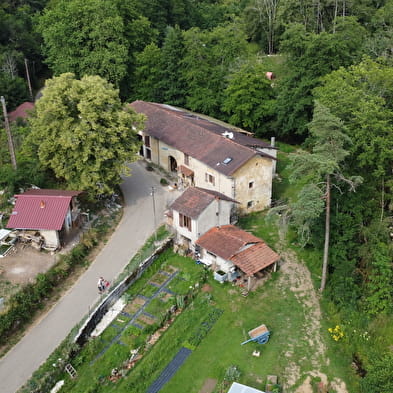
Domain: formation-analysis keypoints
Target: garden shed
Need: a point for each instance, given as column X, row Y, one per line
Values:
column 46, row 214
column 228, row 249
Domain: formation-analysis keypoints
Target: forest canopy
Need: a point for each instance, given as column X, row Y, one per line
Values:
column 329, row 60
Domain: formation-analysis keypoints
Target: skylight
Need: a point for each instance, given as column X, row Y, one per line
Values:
column 227, row 160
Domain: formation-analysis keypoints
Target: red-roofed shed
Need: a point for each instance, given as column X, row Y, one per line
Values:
column 50, row 212
column 227, row 247
column 21, row 112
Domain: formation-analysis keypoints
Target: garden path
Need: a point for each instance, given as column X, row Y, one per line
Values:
column 296, row 276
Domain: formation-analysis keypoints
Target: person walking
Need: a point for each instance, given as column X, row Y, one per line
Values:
column 101, row 285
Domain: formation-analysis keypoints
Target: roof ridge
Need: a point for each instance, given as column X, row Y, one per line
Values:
column 178, row 111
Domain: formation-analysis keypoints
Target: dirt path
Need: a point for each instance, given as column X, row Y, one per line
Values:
column 297, row 278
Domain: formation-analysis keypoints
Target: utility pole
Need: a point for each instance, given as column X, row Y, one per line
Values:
column 9, row 135
column 154, row 212
column 28, row 79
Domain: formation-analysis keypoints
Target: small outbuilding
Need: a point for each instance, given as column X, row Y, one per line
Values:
column 50, row 214
column 239, row 388
column 229, row 249
column 21, row 112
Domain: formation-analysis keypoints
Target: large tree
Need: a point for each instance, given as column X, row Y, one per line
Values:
column 206, row 64
column 82, row 132
column 249, row 99
column 311, row 56
column 319, row 170
column 86, row 37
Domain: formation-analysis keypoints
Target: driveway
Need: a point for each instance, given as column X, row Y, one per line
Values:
column 136, row 225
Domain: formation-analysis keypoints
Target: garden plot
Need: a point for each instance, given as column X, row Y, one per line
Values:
column 139, row 319
column 135, row 305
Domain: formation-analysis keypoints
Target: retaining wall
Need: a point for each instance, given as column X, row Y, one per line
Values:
column 96, row 316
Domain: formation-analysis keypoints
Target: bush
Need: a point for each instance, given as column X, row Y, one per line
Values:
column 164, row 182
column 23, row 304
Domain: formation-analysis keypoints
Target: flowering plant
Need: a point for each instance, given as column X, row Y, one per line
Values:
column 336, row 333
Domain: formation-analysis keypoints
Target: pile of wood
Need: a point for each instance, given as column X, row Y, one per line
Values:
column 32, row 237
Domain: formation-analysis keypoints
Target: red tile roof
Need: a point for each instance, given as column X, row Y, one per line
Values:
column 41, row 209
column 185, row 171
column 226, row 241
column 255, row 258
column 248, row 252
column 195, row 200
column 199, row 137
column 21, row 111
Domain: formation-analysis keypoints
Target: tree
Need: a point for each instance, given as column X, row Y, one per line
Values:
column 379, row 375
column 172, row 82
column 82, row 132
column 85, row 37
column 14, row 90
column 380, row 42
column 311, row 56
column 364, row 102
column 262, row 15
column 148, row 74
column 249, row 99
column 318, row 169
column 206, row 63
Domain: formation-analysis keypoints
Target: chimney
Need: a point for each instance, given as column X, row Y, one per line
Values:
column 42, row 204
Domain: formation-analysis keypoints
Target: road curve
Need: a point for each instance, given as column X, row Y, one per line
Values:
column 136, row 225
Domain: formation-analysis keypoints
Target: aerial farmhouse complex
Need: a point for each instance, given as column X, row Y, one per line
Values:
column 206, row 153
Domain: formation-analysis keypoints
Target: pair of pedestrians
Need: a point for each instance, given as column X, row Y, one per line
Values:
column 102, row 285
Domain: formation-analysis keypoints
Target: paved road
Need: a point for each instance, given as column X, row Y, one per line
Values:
column 136, row 226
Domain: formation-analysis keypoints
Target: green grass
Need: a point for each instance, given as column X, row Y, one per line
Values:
column 260, row 226
column 157, row 306
column 149, row 290
column 279, row 309
column 221, row 348
column 93, row 377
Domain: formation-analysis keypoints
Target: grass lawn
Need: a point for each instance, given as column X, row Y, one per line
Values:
column 282, row 314
column 270, row 304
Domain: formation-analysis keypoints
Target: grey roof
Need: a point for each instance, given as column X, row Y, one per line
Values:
column 195, row 200
column 199, row 137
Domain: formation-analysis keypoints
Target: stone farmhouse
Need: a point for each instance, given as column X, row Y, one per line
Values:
column 210, row 154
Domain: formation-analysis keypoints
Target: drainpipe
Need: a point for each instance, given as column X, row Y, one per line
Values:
column 274, row 163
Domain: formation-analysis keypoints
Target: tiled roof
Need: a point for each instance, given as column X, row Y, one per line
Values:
column 226, row 241
column 185, row 171
column 255, row 258
column 41, row 209
column 195, row 200
column 51, row 192
column 245, row 250
column 199, row 137
column 20, row 111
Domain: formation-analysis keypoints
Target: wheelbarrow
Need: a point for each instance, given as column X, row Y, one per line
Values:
column 260, row 335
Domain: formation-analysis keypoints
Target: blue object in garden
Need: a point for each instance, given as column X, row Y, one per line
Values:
column 260, row 335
